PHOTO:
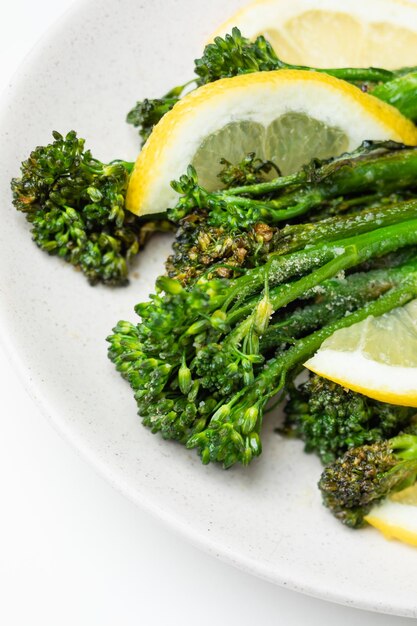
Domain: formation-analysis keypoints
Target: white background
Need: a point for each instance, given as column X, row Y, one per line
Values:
column 73, row 551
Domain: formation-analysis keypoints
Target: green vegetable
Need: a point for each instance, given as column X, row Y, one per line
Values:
column 400, row 92
column 201, row 248
column 232, row 435
column 235, row 54
column 368, row 474
column 376, row 168
column 251, row 170
column 330, row 300
column 220, row 250
column 331, row 419
column 145, row 114
column 75, row 205
column 212, row 334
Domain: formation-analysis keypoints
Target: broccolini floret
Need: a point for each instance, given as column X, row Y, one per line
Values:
column 146, row 113
column 75, row 205
column 331, row 419
column 250, row 171
column 365, row 475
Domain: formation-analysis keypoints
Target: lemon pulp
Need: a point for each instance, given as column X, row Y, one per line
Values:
column 333, row 33
column 376, row 357
column 290, row 141
column 379, row 44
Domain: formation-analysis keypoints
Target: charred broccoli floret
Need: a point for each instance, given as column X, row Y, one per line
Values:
column 330, row 419
column 75, row 205
column 353, row 484
column 199, row 247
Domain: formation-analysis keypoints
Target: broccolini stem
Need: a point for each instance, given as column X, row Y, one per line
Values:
column 296, row 236
column 345, row 255
column 401, row 92
column 405, row 446
column 375, row 168
column 334, row 298
column 304, row 348
column 319, row 170
column 368, row 245
column 349, row 74
column 278, row 183
column 247, row 321
column 284, row 294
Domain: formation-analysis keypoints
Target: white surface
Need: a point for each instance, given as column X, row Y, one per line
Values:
column 73, row 551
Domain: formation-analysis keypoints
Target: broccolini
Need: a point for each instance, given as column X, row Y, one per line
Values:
column 367, row 474
column 75, row 205
column 331, row 419
column 195, row 361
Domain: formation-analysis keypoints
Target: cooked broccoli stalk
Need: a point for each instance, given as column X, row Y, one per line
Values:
column 220, row 237
column 206, row 357
column 233, row 434
column 234, row 54
column 331, row 419
column 75, row 205
column 195, row 362
column 365, row 475
column 400, row 92
column 201, row 248
column 376, row 168
column 330, row 300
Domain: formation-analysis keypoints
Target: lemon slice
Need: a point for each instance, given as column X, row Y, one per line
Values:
column 376, row 357
column 333, row 33
column 396, row 517
column 288, row 116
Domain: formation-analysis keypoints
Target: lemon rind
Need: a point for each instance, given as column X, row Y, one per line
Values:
column 395, row 521
column 351, row 370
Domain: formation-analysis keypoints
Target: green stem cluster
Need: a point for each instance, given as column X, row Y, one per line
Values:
column 76, row 207
column 376, row 169
column 198, row 363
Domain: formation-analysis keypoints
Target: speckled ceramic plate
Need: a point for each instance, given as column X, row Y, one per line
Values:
column 266, row 519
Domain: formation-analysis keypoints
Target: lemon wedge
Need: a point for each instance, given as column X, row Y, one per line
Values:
column 287, row 116
column 376, row 357
column 396, row 517
column 333, row 33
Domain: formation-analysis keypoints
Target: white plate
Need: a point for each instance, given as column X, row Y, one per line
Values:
column 267, row 519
